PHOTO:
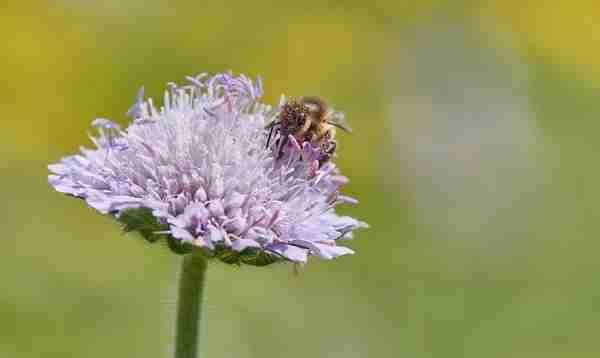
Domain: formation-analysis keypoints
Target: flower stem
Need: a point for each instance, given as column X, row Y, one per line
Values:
column 189, row 306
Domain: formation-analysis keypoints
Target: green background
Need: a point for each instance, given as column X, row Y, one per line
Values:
column 474, row 157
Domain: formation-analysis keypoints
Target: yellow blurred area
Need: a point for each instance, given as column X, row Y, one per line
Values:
column 559, row 32
column 473, row 155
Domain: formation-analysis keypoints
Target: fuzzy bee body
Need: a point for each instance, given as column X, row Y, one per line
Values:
column 309, row 119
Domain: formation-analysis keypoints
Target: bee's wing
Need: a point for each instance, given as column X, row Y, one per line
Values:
column 338, row 119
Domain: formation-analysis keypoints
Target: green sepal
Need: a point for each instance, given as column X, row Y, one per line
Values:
column 257, row 257
column 249, row 256
column 142, row 221
column 227, row 256
column 178, row 246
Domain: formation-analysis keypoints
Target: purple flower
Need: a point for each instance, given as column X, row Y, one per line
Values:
column 200, row 166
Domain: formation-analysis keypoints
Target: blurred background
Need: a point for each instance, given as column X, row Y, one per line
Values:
column 474, row 158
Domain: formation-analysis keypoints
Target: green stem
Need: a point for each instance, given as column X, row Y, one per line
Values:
column 189, row 306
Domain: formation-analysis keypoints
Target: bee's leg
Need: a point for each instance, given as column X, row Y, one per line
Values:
column 327, row 150
column 329, row 144
column 269, row 137
column 281, row 141
column 332, row 147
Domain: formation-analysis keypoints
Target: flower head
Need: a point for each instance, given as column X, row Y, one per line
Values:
column 198, row 172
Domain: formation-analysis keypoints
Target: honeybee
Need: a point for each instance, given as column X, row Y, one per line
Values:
column 309, row 119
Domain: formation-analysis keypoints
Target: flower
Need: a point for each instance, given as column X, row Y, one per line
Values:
column 198, row 172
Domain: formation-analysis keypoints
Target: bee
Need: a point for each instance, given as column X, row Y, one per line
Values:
column 309, row 119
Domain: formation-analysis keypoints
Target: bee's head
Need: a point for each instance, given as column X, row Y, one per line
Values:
column 293, row 116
